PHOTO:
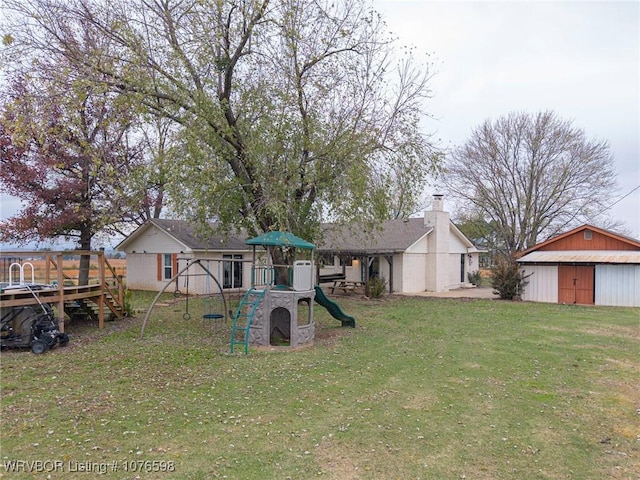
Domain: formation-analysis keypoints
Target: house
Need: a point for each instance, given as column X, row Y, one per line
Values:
column 412, row 255
column 160, row 248
column 587, row 265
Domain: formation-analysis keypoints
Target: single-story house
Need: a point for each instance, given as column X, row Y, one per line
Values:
column 587, row 265
column 412, row 255
column 160, row 248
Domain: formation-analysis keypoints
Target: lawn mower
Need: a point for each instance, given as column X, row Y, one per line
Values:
column 23, row 327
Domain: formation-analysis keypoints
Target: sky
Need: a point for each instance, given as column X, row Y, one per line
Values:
column 579, row 59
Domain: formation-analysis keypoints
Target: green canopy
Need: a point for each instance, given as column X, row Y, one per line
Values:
column 281, row 239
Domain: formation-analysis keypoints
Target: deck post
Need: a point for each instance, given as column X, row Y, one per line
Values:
column 60, row 275
column 121, row 292
column 101, row 273
column 47, row 269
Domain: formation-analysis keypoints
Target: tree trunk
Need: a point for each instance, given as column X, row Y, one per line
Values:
column 282, row 263
column 85, row 260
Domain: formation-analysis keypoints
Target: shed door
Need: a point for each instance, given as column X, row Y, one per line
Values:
column 576, row 284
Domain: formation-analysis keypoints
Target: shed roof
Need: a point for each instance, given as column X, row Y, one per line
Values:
column 622, row 240
column 582, row 256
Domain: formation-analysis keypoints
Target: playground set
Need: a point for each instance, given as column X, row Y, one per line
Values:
column 277, row 309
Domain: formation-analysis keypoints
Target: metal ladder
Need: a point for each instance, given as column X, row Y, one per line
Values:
column 243, row 318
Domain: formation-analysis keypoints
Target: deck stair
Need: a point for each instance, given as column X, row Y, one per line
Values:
column 83, row 308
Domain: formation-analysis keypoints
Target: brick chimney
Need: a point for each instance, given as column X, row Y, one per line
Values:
column 437, row 245
column 437, row 210
column 437, row 204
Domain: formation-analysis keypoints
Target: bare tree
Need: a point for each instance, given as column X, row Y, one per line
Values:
column 531, row 177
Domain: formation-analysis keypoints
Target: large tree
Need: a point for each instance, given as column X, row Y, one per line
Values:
column 531, row 176
column 66, row 154
column 67, row 151
column 84, row 159
column 290, row 111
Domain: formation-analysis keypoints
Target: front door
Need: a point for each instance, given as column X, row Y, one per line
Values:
column 576, row 284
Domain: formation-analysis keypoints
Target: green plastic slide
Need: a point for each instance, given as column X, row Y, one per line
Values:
column 334, row 309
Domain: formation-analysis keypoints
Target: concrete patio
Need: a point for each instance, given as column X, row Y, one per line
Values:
column 471, row 292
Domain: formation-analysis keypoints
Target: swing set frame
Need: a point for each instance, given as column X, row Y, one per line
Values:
column 186, row 316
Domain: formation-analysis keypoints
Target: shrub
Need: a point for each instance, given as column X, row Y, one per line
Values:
column 507, row 279
column 474, row 277
column 376, row 287
column 128, row 309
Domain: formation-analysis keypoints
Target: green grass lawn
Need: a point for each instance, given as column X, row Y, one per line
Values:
column 422, row 388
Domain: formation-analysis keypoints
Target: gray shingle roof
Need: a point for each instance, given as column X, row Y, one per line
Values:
column 392, row 236
column 189, row 235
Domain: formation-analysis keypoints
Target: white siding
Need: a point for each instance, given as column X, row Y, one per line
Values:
column 457, row 248
column 354, row 272
column 453, row 272
column 155, row 240
column 413, row 268
column 542, row 283
column 618, row 285
column 456, row 245
column 198, row 280
column 142, row 272
column 331, row 268
column 201, row 283
column 398, row 273
column 473, row 263
column 420, row 246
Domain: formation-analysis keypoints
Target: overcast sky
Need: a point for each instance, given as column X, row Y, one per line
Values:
column 580, row 59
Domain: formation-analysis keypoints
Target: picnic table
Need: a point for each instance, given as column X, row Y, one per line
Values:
column 346, row 286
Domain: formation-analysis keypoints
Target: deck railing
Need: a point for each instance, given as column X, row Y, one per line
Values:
column 61, row 270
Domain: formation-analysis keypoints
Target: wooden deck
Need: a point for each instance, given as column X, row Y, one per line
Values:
column 56, row 288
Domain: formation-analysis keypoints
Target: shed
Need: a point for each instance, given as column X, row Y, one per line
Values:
column 587, row 265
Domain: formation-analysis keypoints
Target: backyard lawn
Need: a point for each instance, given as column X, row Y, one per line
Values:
column 421, row 389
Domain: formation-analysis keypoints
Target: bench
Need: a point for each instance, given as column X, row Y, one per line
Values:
column 331, row 277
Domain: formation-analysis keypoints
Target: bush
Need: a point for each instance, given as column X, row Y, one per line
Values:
column 128, row 309
column 376, row 287
column 474, row 277
column 507, row 279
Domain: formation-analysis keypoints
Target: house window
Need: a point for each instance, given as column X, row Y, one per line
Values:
column 168, row 266
column 587, row 234
column 232, row 272
column 462, row 260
